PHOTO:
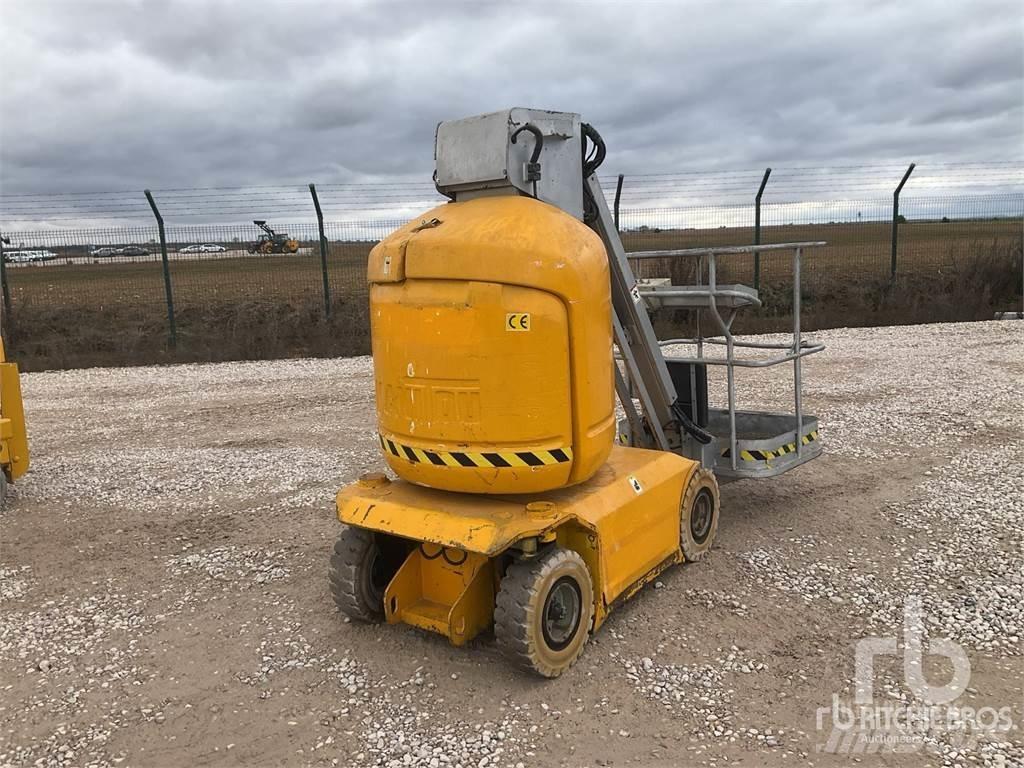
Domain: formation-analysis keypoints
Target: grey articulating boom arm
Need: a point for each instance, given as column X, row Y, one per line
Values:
column 660, row 423
column 635, row 338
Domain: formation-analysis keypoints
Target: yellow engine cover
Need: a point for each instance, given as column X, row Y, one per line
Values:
column 492, row 348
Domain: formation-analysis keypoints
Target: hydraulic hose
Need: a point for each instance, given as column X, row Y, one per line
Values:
column 592, row 162
column 697, row 433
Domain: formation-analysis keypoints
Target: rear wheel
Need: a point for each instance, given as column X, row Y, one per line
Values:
column 698, row 515
column 359, row 574
column 544, row 610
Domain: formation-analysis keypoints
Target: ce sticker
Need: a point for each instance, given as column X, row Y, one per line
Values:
column 517, row 321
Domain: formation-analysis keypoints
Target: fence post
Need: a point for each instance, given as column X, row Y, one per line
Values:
column 896, row 220
column 757, row 227
column 323, row 251
column 5, row 294
column 171, row 327
column 618, row 197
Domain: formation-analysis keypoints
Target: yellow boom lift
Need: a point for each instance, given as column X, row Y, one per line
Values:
column 504, row 323
column 13, row 435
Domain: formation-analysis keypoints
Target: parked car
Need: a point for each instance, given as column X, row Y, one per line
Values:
column 103, row 252
column 27, row 257
column 204, row 248
column 132, row 250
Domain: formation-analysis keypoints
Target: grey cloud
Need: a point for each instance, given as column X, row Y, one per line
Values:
column 115, row 95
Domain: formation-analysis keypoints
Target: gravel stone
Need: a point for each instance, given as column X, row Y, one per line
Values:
column 162, row 576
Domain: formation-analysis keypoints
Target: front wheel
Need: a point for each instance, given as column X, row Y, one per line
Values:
column 698, row 515
column 544, row 611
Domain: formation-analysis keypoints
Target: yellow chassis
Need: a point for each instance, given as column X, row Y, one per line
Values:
column 624, row 523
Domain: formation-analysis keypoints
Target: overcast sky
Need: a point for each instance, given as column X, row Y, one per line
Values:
column 164, row 93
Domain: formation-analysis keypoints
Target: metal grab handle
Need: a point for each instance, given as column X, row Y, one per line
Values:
column 533, row 166
column 538, row 140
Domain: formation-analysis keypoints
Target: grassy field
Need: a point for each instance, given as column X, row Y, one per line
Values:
column 111, row 312
column 853, row 251
column 200, row 280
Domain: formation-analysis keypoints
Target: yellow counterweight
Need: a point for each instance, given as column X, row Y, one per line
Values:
column 492, row 346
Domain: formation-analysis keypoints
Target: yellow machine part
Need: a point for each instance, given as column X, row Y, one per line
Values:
column 624, row 522
column 447, row 591
column 492, row 346
column 13, row 434
column 439, row 392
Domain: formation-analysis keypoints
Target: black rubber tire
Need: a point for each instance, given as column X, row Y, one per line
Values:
column 519, row 611
column 702, row 489
column 352, row 575
column 3, row 489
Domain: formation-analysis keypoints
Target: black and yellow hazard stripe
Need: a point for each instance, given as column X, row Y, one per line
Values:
column 499, row 460
column 775, row 453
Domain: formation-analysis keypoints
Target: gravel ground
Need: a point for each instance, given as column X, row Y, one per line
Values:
column 163, row 594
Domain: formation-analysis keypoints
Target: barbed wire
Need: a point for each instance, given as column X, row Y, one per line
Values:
column 691, row 188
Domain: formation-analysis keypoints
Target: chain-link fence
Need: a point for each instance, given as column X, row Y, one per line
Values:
column 939, row 259
column 109, row 296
